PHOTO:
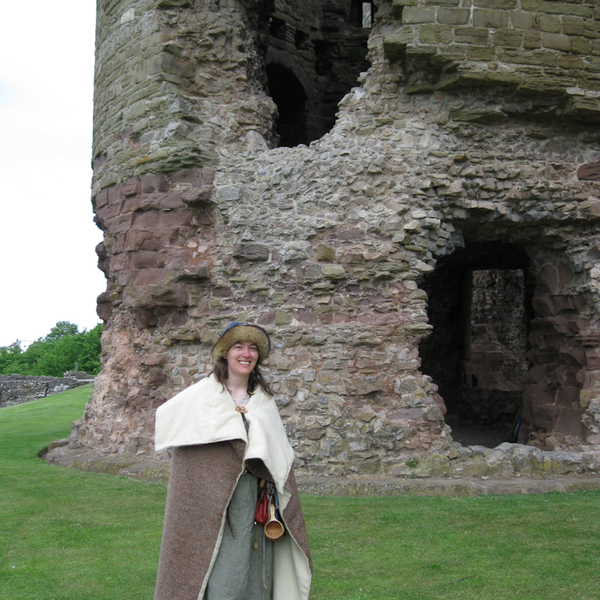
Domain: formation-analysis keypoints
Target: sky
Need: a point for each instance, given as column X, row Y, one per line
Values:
column 48, row 264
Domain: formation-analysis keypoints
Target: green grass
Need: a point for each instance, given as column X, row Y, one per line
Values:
column 64, row 533
column 544, row 547
column 89, row 536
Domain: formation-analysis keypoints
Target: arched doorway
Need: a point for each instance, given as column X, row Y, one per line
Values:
column 480, row 309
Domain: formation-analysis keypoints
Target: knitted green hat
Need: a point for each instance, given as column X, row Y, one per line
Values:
column 242, row 332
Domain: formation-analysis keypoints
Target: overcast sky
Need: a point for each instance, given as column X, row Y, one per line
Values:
column 48, row 269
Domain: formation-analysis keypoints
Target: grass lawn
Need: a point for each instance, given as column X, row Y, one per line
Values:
column 89, row 536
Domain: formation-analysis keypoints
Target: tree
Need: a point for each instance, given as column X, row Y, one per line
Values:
column 55, row 353
column 9, row 358
column 60, row 330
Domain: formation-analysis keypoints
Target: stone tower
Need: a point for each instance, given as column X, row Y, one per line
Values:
column 405, row 193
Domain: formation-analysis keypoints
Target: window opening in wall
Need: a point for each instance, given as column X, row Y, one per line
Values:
column 323, row 47
column 476, row 353
column 367, row 15
column 289, row 95
column 361, row 14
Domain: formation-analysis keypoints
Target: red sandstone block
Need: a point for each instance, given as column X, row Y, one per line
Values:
column 551, row 305
column 146, row 259
column 573, row 302
column 565, row 274
column 149, row 277
column 118, row 224
column 568, row 397
column 115, row 193
column 565, row 375
column 536, row 375
column 578, row 325
column 569, row 422
column 175, row 218
column 545, row 416
column 495, row 360
column 543, row 355
column 154, row 183
column 267, row 318
column 118, row 242
column 118, row 262
column 157, row 376
column 144, row 317
column 327, row 319
column 171, row 201
column 547, row 280
column 544, row 306
column 207, row 175
column 125, row 277
column 109, row 211
column 552, row 325
column 150, row 202
column 131, row 187
column 345, row 318
column 100, row 199
column 592, row 359
column 146, row 220
column 178, row 257
column 104, row 310
column 142, row 240
column 131, row 204
column 540, row 394
column 589, row 339
column 554, row 341
column 179, row 319
column 572, row 356
column 155, row 360
column 388, row 319
column 222, row 292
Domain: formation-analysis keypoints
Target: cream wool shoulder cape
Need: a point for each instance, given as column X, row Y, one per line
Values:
column 211, row 446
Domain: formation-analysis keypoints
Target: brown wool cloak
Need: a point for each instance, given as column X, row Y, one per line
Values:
column 201, row 484
column 211, row 450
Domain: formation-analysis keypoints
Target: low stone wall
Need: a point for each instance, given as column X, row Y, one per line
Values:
column 16, row 389
column 470, row 471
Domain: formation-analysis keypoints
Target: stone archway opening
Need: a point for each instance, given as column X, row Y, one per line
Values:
column 479, row 306
column 291, row 101
column 314, row 54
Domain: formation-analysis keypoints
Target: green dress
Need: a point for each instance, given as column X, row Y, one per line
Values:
column 241, row 571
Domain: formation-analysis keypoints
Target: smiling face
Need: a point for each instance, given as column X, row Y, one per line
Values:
column 241, row 359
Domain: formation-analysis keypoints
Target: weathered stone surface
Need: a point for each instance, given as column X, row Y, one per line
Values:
column 589, row 172
column 251, row 252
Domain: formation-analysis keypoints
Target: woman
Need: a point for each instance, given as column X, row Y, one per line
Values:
column 227, row 437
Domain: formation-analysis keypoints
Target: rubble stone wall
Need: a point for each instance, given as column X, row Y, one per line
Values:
column 16, row 389
column 436, row 153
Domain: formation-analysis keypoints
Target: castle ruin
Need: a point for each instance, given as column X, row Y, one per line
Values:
column 404, row 193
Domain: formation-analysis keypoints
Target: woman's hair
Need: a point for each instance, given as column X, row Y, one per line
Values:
column 255, row 379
